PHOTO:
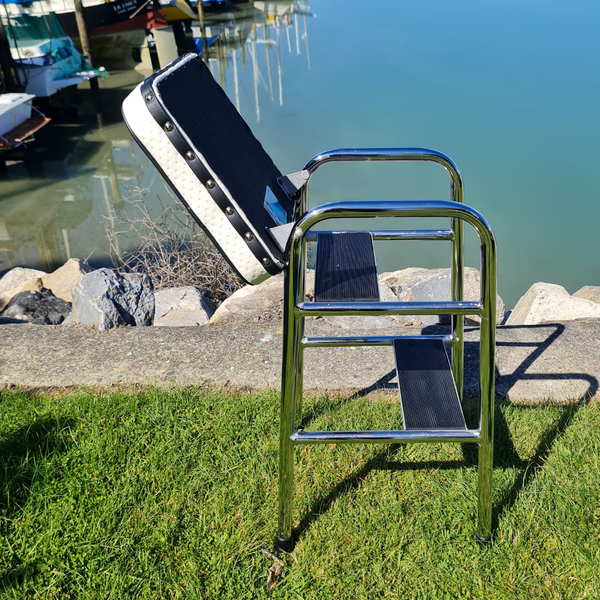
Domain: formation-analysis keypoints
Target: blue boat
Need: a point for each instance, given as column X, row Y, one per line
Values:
column 45, row 57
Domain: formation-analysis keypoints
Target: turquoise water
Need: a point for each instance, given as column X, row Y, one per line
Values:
column 508, row 89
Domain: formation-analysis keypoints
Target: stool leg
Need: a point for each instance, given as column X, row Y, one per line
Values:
column 484, row 488
column 289, row 377
column 283, row 539
column 487, row 387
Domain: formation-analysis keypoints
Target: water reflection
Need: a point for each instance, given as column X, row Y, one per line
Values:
column 60, row 197
column 55, row 208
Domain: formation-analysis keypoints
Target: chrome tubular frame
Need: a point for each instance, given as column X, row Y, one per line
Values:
column 455, row 233
column 296, row 309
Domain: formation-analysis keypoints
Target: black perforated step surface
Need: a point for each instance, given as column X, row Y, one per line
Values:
column 346, row 269
column 427, row 390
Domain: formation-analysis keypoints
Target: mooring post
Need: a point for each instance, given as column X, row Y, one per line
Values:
column 86, row 47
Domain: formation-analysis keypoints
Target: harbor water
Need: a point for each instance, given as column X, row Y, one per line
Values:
column 508, row 89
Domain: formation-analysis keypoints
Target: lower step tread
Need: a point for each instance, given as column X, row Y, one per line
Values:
column 427, row 389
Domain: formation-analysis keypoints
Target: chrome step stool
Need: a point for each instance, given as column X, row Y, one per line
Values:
column 260, row 221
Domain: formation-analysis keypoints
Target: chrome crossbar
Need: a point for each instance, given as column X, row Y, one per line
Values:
column 388, row 308
column 382, row 340
column 396, row 234
column 406, row 436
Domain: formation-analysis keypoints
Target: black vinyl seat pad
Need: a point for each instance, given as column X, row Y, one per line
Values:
column 201, row 108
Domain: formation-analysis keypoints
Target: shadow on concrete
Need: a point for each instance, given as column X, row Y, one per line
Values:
column 504, row 383
column 334, row 403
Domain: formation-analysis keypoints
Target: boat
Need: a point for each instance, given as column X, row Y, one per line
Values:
column 17, row 125
column 118, row 16
column 177, row 10
column 45, row 57
column 101, row 17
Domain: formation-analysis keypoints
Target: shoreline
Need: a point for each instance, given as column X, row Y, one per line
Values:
column 553, row 363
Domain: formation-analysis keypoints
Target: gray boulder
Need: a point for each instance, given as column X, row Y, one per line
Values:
column 41, row 308
column 181, row 307
column 434, row 285
column 107, row 299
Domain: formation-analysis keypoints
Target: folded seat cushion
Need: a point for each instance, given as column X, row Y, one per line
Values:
column 187, row 126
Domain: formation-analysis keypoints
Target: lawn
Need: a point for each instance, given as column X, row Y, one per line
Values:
column 173, row 494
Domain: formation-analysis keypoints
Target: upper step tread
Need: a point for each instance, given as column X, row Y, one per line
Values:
column 427, row 389
column 345, row 268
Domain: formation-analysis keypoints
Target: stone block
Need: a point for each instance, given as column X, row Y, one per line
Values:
column 546, row 302
column 106, row 299
column 434, row 285
column 589, row 292
column 62, row 280
column 27, row 286
column 252, row 303
column 16, row 277
column 180, row 307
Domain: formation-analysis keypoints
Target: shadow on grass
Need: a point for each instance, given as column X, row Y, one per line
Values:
column 23, row 466
column 505, row 456
column 531, row 467
column 505, row 453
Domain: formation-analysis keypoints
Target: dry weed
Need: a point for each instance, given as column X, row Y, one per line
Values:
column 170, row 248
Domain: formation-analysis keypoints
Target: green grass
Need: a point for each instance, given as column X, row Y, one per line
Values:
column 173, row 494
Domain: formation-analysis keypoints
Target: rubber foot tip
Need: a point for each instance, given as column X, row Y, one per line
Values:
column 284, row 544
column 484, row 541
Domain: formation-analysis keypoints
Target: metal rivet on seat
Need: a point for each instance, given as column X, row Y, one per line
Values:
column 169, row 126
column 229, row 210
column 266, row 261
column 248, row 236
column 210, row 184
column 190, row 155
column 149, row 97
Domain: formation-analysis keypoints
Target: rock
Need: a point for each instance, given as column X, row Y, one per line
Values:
column 62, row 280
column 589, row 292
column 252, row 303
column 545, row 302
column 70, row 320
column 107, row 299
column 180, row 307
column 16, row 277
column 366, row 322
column 41, row 308
column 32, row 284
column 264, row 302
column 431, row 285
column 397, row 280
